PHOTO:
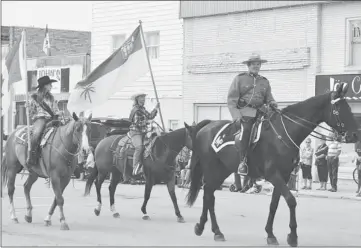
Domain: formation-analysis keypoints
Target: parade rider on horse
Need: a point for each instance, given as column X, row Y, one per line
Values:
column 43, row 109
column 248, row 92
column 139, row 118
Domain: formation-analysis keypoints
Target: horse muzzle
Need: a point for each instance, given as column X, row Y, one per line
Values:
column 351, row 137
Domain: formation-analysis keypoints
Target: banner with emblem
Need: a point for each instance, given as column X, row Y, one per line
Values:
column 123, row 67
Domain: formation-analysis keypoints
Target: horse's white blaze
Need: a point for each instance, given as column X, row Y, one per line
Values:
column 85, row 140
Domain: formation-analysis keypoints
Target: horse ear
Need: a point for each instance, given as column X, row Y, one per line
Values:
column 345, row 87
column 186, row 125
column 90, row 117
column 75, row 117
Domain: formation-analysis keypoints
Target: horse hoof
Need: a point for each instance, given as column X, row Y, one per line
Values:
column 28, row 219
column 146, row 217
column 292, row 240
column 47, row 222
column 64, row 226
column 219, row 237
column 198, row 230
column 180, row 220
column 272, row 241
column 97, row 212
column 15, row 221
column 116, row 215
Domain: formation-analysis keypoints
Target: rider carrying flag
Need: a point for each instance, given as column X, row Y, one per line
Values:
column 139, row 118
column 248, row 92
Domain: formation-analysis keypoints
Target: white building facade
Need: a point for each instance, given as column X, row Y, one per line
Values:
column 112, row 23
column 220, row 35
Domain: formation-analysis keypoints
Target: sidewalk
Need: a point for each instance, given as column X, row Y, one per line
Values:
column 346, row 190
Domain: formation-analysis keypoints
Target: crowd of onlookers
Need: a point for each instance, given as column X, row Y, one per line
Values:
column 327, row 162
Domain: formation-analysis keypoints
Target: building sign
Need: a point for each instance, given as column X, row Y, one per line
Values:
column 53, row 73
column 326, row 83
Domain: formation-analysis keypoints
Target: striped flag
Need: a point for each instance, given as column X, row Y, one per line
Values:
column 46, row 44
column 123, row 67
column 12, row 70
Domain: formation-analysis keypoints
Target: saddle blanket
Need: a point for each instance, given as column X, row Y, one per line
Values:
column 226, row 135
column 22, row 135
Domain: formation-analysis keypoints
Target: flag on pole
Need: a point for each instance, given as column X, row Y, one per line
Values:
column 127, row 64
column 46, row 44
column 12, row 71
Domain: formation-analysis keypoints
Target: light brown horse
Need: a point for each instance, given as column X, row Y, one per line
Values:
column 57, row 161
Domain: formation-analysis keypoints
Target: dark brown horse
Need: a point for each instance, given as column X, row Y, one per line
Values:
column 282, row 133
column 158, row 167
column 58, row 161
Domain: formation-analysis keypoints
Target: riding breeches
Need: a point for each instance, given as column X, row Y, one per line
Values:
column 38, row 129
column 242, row 139
column 137, row 141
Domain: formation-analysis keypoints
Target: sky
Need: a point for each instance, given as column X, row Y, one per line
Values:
column 72, row 15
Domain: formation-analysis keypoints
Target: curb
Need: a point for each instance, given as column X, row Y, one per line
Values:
column 354, row 198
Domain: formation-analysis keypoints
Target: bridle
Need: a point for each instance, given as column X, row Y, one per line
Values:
column 335, row 111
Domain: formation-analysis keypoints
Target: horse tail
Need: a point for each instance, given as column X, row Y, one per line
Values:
column 90, row 180
column 196, row 180
column 4, row 175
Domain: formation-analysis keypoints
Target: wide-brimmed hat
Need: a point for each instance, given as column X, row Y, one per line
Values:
column 133, row 97
column 254, row 58
column 44, row 81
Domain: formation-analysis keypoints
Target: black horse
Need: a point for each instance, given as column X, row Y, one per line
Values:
column 158, row 167
column 272, row 157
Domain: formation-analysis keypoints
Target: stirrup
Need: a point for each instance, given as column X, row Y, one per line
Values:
column 136, row 169
column 242, row 169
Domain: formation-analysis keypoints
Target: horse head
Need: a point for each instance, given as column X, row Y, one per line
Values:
column 191, row 132
column 81, row 128
column 341, row 117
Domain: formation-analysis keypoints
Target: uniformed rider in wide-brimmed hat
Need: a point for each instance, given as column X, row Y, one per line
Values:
column 248, row 92
column 139, row 118
column 43, row 109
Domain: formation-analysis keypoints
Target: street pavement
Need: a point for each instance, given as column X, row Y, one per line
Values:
column 242, row 218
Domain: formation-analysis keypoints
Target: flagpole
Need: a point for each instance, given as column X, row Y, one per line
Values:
column 151, row 74
column 1, row 120
column 25, row 72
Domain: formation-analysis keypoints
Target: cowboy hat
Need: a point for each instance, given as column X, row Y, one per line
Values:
column 254, row 58
column 136, row 95
column 44, row 81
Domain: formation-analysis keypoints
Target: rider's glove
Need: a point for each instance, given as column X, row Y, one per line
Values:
column 273, row 104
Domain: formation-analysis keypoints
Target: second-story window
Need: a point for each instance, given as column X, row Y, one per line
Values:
column 118, row 40
column 152, row 41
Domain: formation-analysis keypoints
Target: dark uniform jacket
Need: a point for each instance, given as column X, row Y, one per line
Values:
column 252, row 99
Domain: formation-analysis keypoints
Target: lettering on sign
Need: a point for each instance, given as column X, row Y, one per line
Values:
column 53, row 73
column 355, row 84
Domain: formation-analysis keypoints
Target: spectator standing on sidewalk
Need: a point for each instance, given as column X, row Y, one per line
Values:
column 334, row 151
column 306, row 164
column 358, row 166
column 321, row 163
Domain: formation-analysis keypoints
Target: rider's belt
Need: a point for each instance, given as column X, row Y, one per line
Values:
column 243, row 103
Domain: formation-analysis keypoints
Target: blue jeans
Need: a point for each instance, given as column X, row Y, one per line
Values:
column 137, row 141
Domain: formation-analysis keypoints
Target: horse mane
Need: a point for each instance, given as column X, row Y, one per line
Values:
column 320, row 99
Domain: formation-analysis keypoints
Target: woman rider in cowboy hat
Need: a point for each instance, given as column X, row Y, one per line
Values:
column 43, row 109
column 139, row 117
column 248, row 92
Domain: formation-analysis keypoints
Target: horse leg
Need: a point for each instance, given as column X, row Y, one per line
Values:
column 280, row 185
column 98, row 186
column 147, row 191
column 209, row 192
column 27, row 187
column 47, row 219
column 199, row 228
column 58, row 188
column 271, row 239
column 112, row 187
column 171, row 191
column 11, row 175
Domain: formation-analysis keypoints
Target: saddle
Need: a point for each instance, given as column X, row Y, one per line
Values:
column 22, row 134
column 122, row 147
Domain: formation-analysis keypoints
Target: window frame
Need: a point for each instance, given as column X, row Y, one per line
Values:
column 348, row 46
column 171, row 121
column 114, row 37
column 146, row 34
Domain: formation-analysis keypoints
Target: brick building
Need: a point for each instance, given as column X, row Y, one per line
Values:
column 68, row 63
